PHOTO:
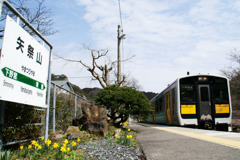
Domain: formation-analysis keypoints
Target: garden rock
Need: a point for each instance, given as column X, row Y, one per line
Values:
column 79, row 120
column 96, row 127
column 72, row 129
column 76, row 136
column 58, row 136
column 117, row 132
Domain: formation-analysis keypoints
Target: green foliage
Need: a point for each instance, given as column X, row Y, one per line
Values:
column 64, row 111
column 126, row 138
column 77, row 90
column 125, row 100
column 21, row 122
column 5, row 155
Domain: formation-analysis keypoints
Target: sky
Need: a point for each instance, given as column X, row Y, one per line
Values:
column 167, row 38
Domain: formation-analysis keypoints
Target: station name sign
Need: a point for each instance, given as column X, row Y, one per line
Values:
column 23, row 67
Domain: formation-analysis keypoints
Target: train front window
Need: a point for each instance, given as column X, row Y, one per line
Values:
column 220, row 92
column 187, row 93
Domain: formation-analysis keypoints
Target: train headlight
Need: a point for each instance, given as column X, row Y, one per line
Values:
column 202, row 78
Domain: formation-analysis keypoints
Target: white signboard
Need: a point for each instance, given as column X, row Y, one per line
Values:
column 23, row 67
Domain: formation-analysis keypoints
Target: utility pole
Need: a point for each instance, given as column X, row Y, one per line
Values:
column 120, row 37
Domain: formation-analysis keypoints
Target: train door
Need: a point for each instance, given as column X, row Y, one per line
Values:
column 205, row 109
column 168, row 108
column 153, row 112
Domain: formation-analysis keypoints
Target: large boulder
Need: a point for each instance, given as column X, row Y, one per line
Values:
column 96, row 127
column 79, row 120
column 72, row 129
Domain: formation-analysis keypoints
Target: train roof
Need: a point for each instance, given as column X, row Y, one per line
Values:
column 186, row 77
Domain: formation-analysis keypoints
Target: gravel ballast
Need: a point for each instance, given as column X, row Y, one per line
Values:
column 109, row 150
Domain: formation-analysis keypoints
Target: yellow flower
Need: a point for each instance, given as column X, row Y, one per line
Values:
column 64, row 145
column 68, row 149
column 63, row 149
column 42, row 138
column 34, row 142
column 115, row 135
column 130, row 136
column 21, row 147
column 78, row 140
column 29, row 146
column 74, row 143
column 129, row 129
column 39, row 147
column 48, row 142
column 55, row 145
column 127, row 136
column 66, row 141
column 125, row 123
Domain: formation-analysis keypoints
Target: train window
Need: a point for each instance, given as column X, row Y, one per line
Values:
column 204, row 94
column 220, row 92
column 187, row 93
column 161, row 104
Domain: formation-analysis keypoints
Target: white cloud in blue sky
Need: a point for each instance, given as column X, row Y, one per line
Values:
column 167, row 37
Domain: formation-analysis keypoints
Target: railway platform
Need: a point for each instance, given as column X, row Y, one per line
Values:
column 160, row 142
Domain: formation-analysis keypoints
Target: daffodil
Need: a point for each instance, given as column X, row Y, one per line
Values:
column 66, row 141
column 127, row 136
column 21, row 147
column 130, row 136
column 125, row 124
column 42, row 138
column 78, row 140
column 48, row 142
column 55, row 145
column 74, row 143
column 64, row 145
column 39, row 147
column 115, row 135
column 29, row 146
column 63, row 149
column 68, row 149
column 129, row 129
column 34, row 142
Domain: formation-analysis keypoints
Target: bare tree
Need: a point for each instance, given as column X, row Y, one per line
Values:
column 233, row 73
column 101, row 73
column 35, row 12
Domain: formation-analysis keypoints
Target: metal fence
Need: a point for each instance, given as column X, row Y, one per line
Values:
column 20, row 123
column 64, row 107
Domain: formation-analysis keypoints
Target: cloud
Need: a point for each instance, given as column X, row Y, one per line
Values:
column 168, row 37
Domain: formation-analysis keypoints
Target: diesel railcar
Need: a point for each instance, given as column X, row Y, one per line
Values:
column 197, row 100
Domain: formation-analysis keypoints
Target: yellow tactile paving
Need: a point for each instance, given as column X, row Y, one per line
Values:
column 226, row 142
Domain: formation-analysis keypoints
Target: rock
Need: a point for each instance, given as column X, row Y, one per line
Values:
column 117, row 132
column 72, row 129
column 79, row 120
column 75, row 136
column 58, row 136
column 53, row 135
column 96, row 127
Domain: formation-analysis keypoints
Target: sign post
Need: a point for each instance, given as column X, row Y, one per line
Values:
column 23, row 67
column 25, row 75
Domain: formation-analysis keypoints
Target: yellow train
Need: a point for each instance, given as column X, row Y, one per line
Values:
column 198, row 100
